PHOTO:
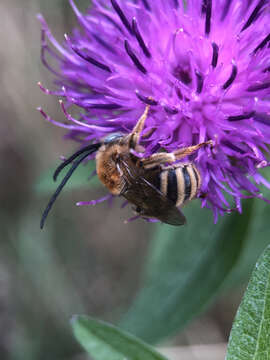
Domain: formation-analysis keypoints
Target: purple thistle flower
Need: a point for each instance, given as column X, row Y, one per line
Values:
column 204, row 68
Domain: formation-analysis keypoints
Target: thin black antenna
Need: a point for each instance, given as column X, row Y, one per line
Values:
column 62, row 184
column 91, row 148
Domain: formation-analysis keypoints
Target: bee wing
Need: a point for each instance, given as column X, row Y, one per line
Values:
column 164, row 207
column 147, row 197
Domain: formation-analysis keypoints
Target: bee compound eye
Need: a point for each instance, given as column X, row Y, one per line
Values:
column 112, row 138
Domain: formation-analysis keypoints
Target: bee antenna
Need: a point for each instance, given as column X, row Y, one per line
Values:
column 60, row 187
column 90, row 148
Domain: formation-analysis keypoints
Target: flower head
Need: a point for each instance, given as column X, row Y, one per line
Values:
column 203, row 66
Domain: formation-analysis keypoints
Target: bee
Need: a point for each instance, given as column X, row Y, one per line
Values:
column 157, row 185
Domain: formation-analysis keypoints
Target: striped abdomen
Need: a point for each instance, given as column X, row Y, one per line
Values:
column 180, row 183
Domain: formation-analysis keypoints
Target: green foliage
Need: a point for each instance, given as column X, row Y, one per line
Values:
column 186, row 268
column 105, row 342
column 250, row 335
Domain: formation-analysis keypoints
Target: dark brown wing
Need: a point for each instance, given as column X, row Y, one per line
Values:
column 148, row 199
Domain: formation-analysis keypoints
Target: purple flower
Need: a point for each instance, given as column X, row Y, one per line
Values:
column 204, row 68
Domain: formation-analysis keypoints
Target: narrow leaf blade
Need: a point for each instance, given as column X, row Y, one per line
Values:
column 250, row 335
column 104, row 341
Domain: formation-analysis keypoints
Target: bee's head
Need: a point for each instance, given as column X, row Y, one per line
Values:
column 112, row 138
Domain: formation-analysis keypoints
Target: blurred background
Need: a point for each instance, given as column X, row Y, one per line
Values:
column 86, row 260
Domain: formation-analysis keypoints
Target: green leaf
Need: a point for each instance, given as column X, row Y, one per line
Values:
column 185, row 269
column 250, row 335
column 79, row 179
column 104, row 341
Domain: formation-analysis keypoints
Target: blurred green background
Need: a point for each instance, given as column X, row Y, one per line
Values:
column 87, row 260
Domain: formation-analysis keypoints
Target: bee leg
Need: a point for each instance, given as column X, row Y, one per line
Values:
column 149, row 133
column 163, row 158
column 183, row 152
column 135, row 134
column 123, row 189
column 157, row 159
